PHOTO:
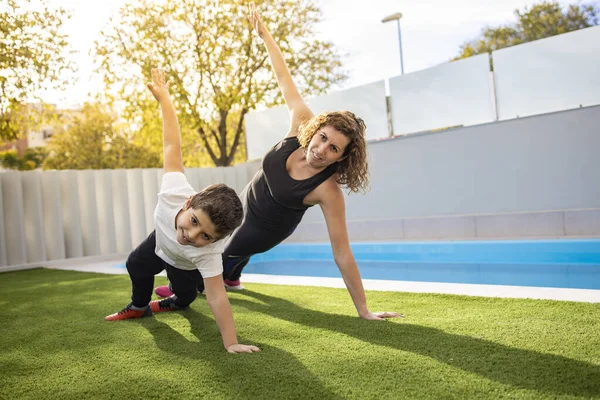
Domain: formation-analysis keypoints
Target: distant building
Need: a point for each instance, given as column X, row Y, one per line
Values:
column 19, row 145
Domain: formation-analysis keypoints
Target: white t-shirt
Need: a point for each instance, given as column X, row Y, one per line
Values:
column 174, row 192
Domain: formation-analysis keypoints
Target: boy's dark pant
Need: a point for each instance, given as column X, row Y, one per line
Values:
column 143, row 263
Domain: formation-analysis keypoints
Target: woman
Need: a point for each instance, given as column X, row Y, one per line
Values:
column 308, row 167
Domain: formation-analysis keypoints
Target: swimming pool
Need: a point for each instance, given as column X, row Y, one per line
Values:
column 561, row 263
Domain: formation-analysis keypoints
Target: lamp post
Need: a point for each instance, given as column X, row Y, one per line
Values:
column 396, row 17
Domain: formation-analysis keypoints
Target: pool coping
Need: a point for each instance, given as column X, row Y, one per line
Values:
column 464, row 289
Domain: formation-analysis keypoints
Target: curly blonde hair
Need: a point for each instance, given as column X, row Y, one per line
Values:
column 353, row 170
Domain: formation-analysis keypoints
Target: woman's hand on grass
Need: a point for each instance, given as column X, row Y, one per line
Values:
column 242, row 348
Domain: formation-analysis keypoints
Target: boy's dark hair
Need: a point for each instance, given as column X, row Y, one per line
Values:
column 222, row 205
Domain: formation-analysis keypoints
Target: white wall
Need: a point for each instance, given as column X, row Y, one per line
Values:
column 266, row 128
column 451, row 94
column 548, row 75
column 546, row 162
column 366, row 101
column 553, row 74
column 529, row 165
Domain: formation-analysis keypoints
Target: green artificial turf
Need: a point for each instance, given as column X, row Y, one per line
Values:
column 56, row 345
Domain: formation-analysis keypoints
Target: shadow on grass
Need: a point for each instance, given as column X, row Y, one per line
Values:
column 526, row 369
column 273, row 373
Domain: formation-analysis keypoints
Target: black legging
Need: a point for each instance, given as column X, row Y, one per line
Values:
column 250, row 238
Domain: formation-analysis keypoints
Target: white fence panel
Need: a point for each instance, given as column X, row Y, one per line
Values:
column 12, row 196
column 32, row 217
column 69, row 194
column 137, row 214
column 552, row 74
column 366, row 101
column 151, row 188
column 88, row 213
column 3, row 255
column 54, row 235
column 451, row 94
column 264, row 129
column 105, row 212
column 121, row 210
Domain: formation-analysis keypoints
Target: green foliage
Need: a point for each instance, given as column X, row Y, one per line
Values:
column 218, row 69
column 32, row 159
column 9, row 159
column 37, row 155
column 541, row 21
column 92, row 141
column 33, row 57
column 28, row 165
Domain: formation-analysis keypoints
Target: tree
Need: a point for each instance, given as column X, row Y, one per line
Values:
column 9, row 159
column 36, row 155
column 33, row 57
column 93, row 141
column 32, row 159
column 218, row 69
column 541, row 21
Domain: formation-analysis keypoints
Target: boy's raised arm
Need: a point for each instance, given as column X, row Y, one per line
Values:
column 171, row 136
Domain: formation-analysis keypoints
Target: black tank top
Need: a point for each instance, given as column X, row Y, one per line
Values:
column 274, row 198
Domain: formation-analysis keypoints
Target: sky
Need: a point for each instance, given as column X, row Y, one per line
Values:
column 432, row 32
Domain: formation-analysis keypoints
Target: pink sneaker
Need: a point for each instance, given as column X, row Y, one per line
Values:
column 163, row 291
column 233, row 285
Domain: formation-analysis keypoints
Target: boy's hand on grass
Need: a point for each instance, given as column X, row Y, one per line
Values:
column 242, row 348
column 381, row 315
column 158, row 86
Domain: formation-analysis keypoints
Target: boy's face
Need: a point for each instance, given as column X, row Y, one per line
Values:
column 194, row 227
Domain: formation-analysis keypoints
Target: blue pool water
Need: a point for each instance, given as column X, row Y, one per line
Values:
column 557, row 263
column 544, row 263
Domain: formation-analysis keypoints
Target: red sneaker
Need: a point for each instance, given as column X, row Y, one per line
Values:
column 163, row 291
column 167, row 304
column 129, row 313
column 233, row 285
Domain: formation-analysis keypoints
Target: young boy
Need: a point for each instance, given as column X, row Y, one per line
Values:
column 189, row 227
